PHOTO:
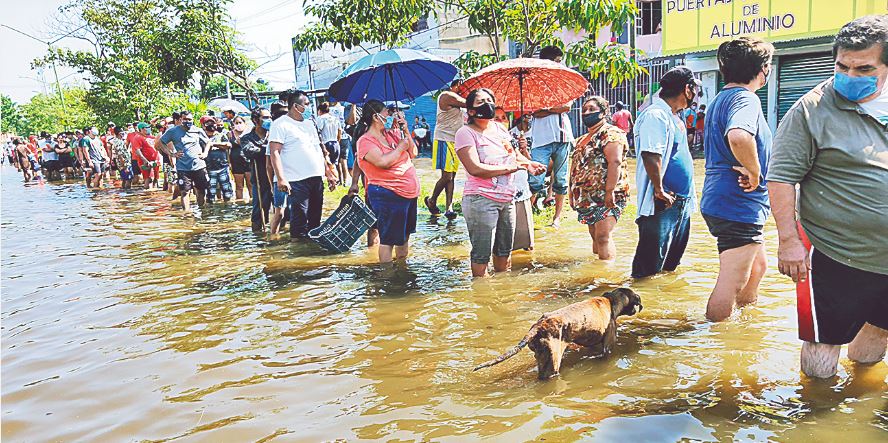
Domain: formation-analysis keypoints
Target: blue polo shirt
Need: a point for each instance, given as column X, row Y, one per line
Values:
column 734, row 108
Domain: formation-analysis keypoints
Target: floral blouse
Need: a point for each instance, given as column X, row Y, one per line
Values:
column 588, row 169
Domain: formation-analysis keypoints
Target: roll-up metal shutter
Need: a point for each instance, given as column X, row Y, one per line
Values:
column 762, row 94
column 798, row 75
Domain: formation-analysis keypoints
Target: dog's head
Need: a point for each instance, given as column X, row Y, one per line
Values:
column 548, row 352
column 631, row 301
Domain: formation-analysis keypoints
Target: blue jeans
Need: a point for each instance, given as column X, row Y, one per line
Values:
column 662, row 239
column 306, row 202
column 558, row 153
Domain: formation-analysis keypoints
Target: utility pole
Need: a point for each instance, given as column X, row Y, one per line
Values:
column 54, row 70
column 633, row 95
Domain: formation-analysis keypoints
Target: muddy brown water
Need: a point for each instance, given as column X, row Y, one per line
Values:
column 124, row 321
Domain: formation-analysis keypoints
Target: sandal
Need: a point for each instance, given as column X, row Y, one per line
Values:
column 432, row 209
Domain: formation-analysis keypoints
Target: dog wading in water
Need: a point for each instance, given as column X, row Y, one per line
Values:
column 591, row 323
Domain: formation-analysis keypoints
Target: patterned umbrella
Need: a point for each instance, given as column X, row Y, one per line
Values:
column 527, row 84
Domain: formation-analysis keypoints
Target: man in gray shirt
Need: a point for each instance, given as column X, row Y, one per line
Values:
column 833, row 144
column 189, row 145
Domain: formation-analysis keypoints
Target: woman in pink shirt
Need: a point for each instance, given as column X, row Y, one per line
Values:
column 385, row 154
column 486, row 151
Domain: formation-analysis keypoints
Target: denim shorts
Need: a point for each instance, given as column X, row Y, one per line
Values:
column 491, row 226
column 559, row 154
column 395, row 215
column 731, row 234
column 280, row 197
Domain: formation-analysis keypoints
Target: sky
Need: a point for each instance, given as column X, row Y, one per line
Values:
column 266, row 27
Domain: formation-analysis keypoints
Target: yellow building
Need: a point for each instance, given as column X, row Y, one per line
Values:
column 801, row 30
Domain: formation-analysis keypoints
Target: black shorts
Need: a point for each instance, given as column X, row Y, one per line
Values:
column 66, row 161
column 835, row 301
column 730, row 234
column 189, row 180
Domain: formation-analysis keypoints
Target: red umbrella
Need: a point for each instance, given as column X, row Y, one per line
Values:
column 530, row 84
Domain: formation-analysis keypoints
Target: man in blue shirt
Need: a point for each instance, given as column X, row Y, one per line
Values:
column 189, row 145
column 735, row 197
column 664, row 176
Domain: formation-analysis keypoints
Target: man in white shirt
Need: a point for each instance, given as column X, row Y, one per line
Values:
column 331, row 133
column 299, row 163
column 552, row 138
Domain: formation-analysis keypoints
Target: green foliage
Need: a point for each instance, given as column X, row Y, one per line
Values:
column 179, row 103
column 350, row 23
column 45, row 112
column 145, row 51
column 11, row 118
column 471, row 62
column 215, row 87
column 532, row 23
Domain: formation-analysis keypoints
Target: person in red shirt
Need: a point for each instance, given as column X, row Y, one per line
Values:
column 137, row 170
column 143, row 148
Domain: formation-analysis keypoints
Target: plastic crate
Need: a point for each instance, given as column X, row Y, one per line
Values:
column 343, row 228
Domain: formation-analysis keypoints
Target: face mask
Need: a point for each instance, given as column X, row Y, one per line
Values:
column 95, row 132
column 855, row 88
column 389, row 122
column 768, row 77
column 592, row 119
column 240, row 127
column 210, row 128
column 485, row 111
column 266, row 123
column 306, row 114
column 187, row 125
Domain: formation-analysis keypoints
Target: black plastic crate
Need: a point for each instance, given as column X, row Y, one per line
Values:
column 343, row 228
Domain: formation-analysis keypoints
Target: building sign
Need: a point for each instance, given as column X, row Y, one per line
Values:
column 701, row 25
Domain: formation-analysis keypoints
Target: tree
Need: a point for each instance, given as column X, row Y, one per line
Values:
column 146, row 51
column 215, row 87
column 11, row 119
column 45, row 112
column 531, row 23
column 353, row 23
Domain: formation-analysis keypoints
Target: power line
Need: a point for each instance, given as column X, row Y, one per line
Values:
column 257, row 14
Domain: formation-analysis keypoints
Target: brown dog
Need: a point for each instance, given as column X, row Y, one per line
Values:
column 591, row 323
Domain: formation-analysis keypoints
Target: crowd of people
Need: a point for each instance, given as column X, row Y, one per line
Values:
column 832, row 146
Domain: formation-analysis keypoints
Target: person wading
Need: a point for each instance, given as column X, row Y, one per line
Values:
column 833, row 145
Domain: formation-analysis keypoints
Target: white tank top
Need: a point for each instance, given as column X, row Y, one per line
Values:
column 447, row 123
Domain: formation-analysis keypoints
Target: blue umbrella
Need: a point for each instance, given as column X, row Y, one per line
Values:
column 395, row 74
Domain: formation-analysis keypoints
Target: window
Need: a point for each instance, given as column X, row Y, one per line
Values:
column 650, row 13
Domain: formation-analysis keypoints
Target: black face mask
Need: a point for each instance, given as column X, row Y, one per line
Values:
column 485, row 111
column 592, row 119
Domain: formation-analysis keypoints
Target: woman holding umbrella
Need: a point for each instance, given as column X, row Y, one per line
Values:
column 486, row 151
column 385, row 158
column 599, row 176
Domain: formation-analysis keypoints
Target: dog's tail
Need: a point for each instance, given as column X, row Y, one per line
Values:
column 511, row 352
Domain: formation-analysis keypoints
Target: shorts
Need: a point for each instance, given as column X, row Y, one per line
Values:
column 350, row 159
column 50, row 165
column 148, row 167
column 597, row 213
column 126, row 174
column 691, row 132
column 239, row 164
column 66, row 161
column 98, row 167
column 731, row 234
column 559, row 154
column 221, row 181
column 395, row 215
column 523, row 238
column 444, row 156
column 344, row 148
column 491, row 227
column 279, row 199
column 189, row 180
column 332, row 147
column 136, row 169
column 836, row 300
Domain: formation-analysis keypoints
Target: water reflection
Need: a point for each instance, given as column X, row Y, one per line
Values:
column 123, row 319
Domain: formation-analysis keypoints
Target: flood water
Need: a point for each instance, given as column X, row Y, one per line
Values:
column 122, row 320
